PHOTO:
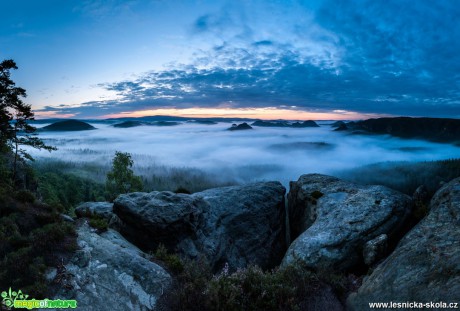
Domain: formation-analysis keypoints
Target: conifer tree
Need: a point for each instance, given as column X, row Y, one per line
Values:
column 15, row 115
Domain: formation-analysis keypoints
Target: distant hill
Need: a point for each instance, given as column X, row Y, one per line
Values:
column 242, row 126
column 433, row 129
column 68, row 125
column 127, row 124
column 301, row 146
column 308, row 123
column 205, row 122
column 165, row 123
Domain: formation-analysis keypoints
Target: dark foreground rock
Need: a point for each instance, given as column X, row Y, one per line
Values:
column 108, row 273
column 425, row 266
column 239, row 225
column 332, row 221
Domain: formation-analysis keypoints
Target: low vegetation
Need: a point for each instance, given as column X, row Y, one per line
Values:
column 33, row 238
column 289, row 288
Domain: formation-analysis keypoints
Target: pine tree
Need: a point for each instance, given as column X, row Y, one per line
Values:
column 15, row 115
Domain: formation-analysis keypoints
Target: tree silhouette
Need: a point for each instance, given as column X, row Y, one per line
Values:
column 15, row 130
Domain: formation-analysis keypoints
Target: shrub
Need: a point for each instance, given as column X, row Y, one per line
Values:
column 172, row 261
column 32, row 239
column 99, row 223
column 289, row 288
column 24, row 196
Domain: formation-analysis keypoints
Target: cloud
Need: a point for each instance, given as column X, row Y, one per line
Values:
column 392, row 57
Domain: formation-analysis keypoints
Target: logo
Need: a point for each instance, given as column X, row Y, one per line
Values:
column 18, row 300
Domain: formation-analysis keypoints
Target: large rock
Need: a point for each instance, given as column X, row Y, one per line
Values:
column 167, row 218
column 425, row 266
column 238, row 225
column 109, row 273
column 101, row 209
column 332, row 220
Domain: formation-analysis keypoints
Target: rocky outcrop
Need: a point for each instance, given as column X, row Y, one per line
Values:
column 238, row 225
column 100, row 209
column 239, row 127
column 109, row 273
column 341, row 127
column 308, row 123
column 167, row 218
column 425, row 266
column 332, row 220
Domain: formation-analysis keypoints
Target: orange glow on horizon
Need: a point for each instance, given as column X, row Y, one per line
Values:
column 52, row 114
column 250, row 113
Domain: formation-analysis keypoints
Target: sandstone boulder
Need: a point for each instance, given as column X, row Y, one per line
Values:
column 332, row 220
column 108, row 273
column 237, row 225
column 425, row 266
column 101, row 209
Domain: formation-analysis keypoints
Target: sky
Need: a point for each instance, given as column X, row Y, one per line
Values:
column 268, row 59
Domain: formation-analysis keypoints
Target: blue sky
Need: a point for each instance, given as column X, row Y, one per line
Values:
column 317, row 59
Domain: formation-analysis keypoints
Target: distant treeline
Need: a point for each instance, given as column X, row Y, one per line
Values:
column 406, row 176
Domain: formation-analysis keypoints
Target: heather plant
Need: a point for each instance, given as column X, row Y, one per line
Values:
column 289, row 288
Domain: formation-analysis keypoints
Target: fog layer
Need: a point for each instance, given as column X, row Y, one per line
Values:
column 240, row 156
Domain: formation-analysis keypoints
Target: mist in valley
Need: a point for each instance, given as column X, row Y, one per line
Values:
column 211, row 153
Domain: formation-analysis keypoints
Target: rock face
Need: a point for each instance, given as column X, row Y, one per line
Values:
column 332, row 220
column 238, row 225
column 425, row 266
column 162, row 217
column 111, row 274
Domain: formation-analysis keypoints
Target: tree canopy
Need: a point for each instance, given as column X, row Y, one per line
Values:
column 121, row 178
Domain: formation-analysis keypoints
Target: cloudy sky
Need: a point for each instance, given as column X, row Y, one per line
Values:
column 268, row 59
